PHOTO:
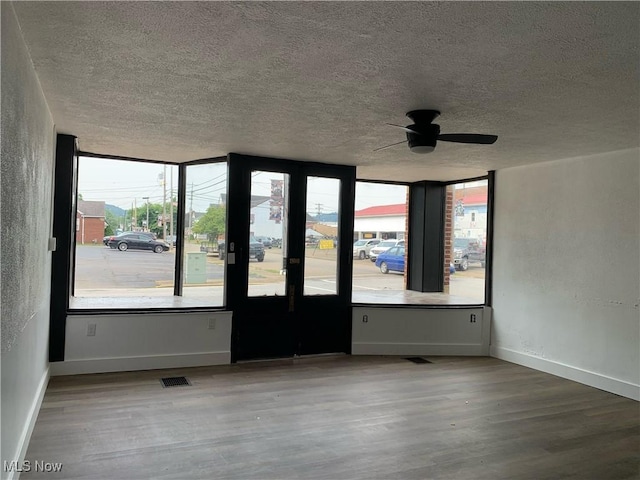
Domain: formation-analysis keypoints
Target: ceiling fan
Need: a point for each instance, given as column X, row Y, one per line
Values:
column 423, row 135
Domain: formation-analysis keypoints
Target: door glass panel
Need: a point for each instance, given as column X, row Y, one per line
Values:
column 268, row 220
column 204, row 233
column 321, row 236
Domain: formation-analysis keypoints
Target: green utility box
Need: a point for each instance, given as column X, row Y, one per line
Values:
column 196, row 268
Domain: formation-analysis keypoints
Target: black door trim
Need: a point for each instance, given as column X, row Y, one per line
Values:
column 319, row 311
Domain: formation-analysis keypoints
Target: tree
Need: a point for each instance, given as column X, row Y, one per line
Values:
column 139, row 214
column 212, row 223
column 112, row 222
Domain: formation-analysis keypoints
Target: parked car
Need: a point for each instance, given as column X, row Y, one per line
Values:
column 361, row 248
column 137, row 241
column 392, row 260
column 466, row 250
column 106, row 239
column 171, row 239
column 383, row 247
column 256, row 250
column 213, row 247
column 266, row 241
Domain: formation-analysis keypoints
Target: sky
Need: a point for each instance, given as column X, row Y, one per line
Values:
column 126, row 183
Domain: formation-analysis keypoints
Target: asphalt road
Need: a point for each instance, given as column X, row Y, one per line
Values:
column 100, row 269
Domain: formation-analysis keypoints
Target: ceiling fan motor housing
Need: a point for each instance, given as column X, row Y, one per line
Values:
column 423, row 138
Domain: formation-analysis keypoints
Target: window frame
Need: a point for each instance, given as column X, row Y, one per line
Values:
column 439, row 280
column 64, row 221
column 179, row 233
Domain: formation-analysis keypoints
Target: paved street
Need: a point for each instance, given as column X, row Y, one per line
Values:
column 101, row 271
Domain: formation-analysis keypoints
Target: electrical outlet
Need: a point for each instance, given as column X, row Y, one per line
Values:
column 91, row 330
column 212, row 324
column 473, row 318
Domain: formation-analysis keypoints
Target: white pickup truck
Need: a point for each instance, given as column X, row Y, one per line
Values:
column 361, row 248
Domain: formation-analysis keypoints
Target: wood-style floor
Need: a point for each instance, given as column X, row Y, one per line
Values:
column 337, row 418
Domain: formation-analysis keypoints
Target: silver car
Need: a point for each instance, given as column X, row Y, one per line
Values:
column 383, row 247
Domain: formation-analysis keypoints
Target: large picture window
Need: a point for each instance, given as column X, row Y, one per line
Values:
column 126, row 234
column 380, row 235
column 150, row 234
column 448, row 223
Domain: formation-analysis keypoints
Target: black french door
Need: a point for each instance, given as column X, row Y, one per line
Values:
column 290, row 230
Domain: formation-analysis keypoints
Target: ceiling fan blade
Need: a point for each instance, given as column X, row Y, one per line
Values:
column 392, row 145
column 406, row 129
column 468, row 138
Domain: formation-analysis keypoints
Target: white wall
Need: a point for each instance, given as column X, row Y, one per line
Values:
column 262, row 226
column 380, row 224
column 26, row 178
column 124, row 342
column 566, row 271
column 420, row 331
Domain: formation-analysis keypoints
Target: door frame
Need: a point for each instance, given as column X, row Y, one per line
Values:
column 319, row 323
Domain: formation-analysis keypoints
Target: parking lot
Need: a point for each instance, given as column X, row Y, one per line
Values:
column 101, row 271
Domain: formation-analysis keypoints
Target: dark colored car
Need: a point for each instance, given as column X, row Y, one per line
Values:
column 467, row 250
column 137, row 241
column 266, row 241
column 392, row 260
column 106, row 239
column 256, row 250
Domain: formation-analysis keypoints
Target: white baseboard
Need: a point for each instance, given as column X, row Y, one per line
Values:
column 25, row 438
column 458, row 349
column 126, row 364
column 597, row 380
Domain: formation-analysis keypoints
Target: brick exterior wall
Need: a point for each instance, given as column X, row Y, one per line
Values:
column 448, row 237
column 93, row 230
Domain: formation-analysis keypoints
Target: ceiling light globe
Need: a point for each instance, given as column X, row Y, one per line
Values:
column 422, row 148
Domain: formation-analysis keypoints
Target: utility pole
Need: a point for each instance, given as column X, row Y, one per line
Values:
column 191, row 210
column 164, row 204
column 319, row 205
column 171, row 207
column 135, row 213
column 147, row 199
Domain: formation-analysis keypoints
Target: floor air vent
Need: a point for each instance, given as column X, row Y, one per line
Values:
column 174, row 382
column 417, row 360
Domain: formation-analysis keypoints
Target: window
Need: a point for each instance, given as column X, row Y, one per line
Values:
column 465, row 255
column 457, row 216
column 380, row 224
column 321, row 235
column 126, row 219
column 127, row 234
column 268, row 232
column 204, row 237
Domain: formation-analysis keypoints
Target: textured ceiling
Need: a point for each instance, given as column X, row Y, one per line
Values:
column 318, row 80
